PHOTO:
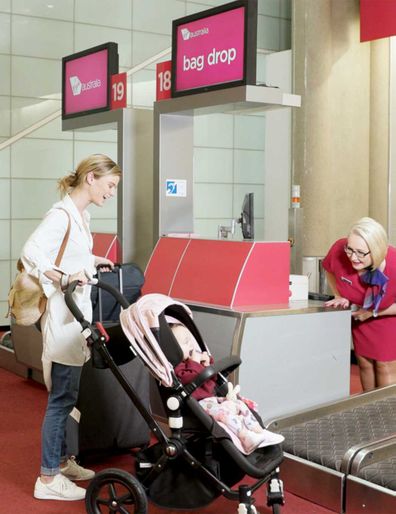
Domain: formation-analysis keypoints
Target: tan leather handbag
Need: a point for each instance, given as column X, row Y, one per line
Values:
column 26, row 299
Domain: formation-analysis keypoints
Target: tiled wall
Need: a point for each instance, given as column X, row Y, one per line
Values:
column 229, row 153
column 228, row 162
column 35, row 35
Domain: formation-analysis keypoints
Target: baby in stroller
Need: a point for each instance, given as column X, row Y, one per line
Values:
column 233, row 412
column 194, row 459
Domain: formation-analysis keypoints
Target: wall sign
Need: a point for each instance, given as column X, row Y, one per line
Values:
column 377, row 19
column 163, row 80
column 119, row 91
column 176, row 187
column 86, row 80
column 215, row 48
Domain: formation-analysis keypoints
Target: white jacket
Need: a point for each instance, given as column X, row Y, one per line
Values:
column 62, row 338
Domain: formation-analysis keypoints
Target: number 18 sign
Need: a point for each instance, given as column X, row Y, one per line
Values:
column 163, row 80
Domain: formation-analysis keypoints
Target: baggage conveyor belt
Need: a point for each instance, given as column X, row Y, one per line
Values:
column 348, row 446
column 382, row 473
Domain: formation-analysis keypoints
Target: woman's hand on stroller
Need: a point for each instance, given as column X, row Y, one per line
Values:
column 103, row 263
column 82, row 277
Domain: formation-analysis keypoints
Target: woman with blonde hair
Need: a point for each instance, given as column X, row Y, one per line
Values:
column 64, row 347
column 361, row 271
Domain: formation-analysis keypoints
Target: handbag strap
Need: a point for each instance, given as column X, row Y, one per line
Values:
column 65, row 239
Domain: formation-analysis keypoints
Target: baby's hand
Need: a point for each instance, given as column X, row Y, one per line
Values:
column 196, row 356
column 205, row 359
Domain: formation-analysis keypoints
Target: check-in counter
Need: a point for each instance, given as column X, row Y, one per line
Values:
column 295, row 355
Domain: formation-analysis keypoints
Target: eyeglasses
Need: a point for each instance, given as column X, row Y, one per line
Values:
column 359, row 254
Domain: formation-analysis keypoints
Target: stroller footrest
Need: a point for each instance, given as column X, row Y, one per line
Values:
column 259, row 464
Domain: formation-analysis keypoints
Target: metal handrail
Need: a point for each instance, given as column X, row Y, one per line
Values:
column 25, row 132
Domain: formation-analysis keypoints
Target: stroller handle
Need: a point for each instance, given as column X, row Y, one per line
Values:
column 74, row 309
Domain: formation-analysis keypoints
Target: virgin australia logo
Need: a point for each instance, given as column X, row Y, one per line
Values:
column 77, row 86
column 186, row 34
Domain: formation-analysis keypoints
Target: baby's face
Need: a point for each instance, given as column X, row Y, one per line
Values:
column 185, row 339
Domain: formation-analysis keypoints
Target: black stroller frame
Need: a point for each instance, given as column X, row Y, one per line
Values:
column 119, row 491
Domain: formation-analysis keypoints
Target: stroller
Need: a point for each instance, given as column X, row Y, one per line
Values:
column 194, row 460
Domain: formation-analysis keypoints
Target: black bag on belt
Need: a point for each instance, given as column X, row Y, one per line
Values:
column 128, row 279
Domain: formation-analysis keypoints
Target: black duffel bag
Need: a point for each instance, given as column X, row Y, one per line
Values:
column 128, row 279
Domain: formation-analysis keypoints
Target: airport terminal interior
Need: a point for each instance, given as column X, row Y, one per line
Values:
column 238, row 174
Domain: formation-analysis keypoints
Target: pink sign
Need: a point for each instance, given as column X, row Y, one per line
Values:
column 85, row 82
column 211, row 50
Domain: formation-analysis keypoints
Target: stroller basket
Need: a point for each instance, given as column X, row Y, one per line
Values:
column 188, row 489
column 194, row 460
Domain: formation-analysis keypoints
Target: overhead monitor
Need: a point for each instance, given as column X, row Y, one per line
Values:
column 215, row 48
column 86, row 80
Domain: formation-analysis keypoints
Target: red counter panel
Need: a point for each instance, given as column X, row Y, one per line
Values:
column 225, row 273
column 210, row 271
column 265, row 277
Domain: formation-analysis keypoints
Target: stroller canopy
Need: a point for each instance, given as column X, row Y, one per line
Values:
column 137, row 322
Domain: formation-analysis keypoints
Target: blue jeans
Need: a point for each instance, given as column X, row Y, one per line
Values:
column 61, row 400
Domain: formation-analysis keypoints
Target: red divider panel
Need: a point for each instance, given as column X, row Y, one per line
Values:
column 163, row 264
column 106, row 245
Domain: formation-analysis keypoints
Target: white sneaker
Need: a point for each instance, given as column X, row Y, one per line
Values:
column 61, row 488
column 74, row 471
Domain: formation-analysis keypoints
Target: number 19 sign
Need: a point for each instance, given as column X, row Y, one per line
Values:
column 163, row 80
column 118, row 91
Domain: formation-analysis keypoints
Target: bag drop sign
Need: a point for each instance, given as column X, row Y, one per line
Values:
column 176, row 187
column 211, row 50
column 213, row 58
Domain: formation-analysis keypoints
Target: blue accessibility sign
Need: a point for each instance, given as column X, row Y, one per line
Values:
column 171, row 187
column 176, row 187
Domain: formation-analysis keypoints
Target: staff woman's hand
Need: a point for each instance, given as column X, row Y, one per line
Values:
column 362, row 315
column 338, row 301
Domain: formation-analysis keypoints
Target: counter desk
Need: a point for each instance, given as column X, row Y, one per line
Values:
column 293, row 357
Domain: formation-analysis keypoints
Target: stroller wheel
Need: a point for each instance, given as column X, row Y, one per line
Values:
column 115, row 490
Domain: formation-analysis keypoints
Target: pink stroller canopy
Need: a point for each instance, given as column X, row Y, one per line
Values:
column 135, row 324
